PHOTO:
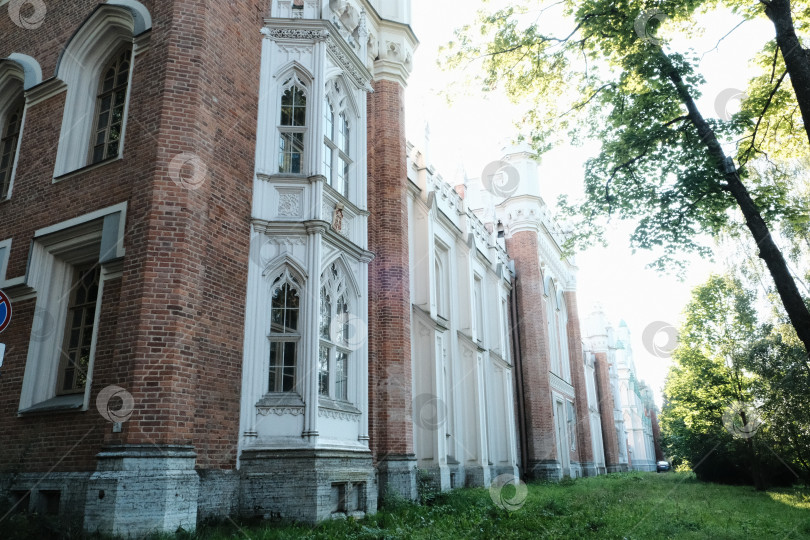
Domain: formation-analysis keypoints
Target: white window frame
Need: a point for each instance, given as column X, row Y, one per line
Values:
column 97, row 236
column 285, row 277
column 12, row 76
column 337, row 342
column 342, row 159
column 292, row 80
column 80, row 66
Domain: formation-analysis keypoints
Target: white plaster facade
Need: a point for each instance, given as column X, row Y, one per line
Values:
column 509, row 200
column 309, row 242
column 464, row 424
column 632, row 398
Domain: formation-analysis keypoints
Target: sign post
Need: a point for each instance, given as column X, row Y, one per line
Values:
column 5, row 311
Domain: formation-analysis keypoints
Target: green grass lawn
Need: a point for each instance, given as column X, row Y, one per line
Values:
column 630, row 505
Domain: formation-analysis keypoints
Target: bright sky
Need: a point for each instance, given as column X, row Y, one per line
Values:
column 473, row 128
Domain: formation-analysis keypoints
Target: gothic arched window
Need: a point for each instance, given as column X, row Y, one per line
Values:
column 337, row 159
column 284, row 335
column 335, row 335
column 9, row 141
column 110, row 105
column 292, row 127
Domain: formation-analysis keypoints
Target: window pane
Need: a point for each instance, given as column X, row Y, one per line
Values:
column 343, row 314
column 275, row 362
column 327, row 163
column 329, row 121
column 9, row 135
column 289, row 366
column 323, row 371
column 110, row 107
column 342, row 376
column 326, row 313
column 291, row 149
column 75, row 356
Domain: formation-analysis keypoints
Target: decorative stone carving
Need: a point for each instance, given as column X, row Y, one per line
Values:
column 289, row 203
column 337, row 219
column 295, row 33
column 338, row 415
column 348, row 66
column 280, row 411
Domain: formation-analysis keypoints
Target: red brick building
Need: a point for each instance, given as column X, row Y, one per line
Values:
column 205, row 232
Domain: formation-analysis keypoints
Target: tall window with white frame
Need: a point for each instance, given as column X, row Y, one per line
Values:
column 9, row 141
column 80, row 324
column 554, row 344
column 478, row 305
column 335, row 334
column 284, row 334
column 292, row 127
column 110, row 105
column 562, row 325
column 336, row 145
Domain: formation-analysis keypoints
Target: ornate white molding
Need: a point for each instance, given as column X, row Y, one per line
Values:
column 290, row 203
column 339, row 415
column 296, row 34
column 280, row 411
column 347, row 61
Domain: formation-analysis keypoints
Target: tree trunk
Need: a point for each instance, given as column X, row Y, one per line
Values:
column 768, row 251
column 796, row 57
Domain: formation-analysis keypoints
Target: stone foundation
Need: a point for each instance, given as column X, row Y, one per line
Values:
column 589, row 468
column 396, row 475
column 137, row 490
column 306, row 486
column 544, row 470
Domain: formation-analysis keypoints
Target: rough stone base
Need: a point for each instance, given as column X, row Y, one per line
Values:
column 396, row 475
column 55, row 493
column 477, row 476
column 622, row 467
column 496, row 471
column 589, row 468
column 219, row 494
column 306, row 485
column 544, row 470
column 137, row 490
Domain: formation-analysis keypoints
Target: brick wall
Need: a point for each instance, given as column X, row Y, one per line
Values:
column 585, row 441
column 606, row 405
column 532, row 328
column 390, row 402
column 177, row 339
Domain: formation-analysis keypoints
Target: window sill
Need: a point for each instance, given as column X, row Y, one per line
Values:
column 335, row 405
column 281, row 399
column 86, row 168
column 68, row 403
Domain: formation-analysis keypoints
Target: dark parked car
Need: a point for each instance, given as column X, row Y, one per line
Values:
column 662, row 466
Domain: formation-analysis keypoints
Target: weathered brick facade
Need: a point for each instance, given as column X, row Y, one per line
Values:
column 585, row 446
column 606, row 407
column 390, row 403
column 532, row 324
column 203, row 197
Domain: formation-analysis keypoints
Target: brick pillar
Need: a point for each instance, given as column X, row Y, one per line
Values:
column 605, row 397
column 538, row 416
column 585, row 442
column 390, row 399
column 656, row 431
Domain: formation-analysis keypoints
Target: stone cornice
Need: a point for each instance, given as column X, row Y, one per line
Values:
column 44, row 90
column 316, row 30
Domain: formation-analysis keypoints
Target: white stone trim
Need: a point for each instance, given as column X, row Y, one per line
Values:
column 9, row 75
column 54, row 252
column 80, row 68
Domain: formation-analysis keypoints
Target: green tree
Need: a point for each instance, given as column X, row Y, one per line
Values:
column 662, row 163
column 702, row 423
